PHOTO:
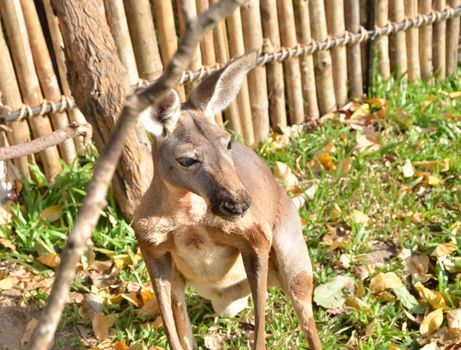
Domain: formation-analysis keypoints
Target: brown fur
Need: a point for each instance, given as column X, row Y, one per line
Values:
column 300, row 285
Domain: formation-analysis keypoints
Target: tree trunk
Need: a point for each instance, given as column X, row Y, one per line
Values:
column 99, row 84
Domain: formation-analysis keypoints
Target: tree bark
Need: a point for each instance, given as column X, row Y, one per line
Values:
column 99, row 84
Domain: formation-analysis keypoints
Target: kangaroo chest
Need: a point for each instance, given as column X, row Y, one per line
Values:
column 201, row 260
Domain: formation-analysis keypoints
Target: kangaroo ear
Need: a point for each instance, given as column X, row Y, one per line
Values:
column 215, row 92
column 160, row 120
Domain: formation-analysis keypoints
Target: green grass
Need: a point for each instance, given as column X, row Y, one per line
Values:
column 420, row 123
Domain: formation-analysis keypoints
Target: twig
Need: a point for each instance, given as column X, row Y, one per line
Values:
column 95, row 201
column 39, row 144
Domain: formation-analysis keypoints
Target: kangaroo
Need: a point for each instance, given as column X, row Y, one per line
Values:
column 215, row 218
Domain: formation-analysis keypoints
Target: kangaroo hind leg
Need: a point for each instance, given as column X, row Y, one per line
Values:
column 295, row 276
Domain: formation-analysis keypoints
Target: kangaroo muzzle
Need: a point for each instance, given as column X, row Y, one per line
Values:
column 232, row 206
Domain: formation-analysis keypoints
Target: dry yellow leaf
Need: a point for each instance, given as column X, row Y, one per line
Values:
column 434, row 180
column 407, row 169
column 432, row 165
column 384, row 281
column 7, row 244
column 326, row 160
column 367, row 143
column 121, row 260
column 431, row 323
column 50, row 260
column 454, row 318
column 433, row 298
column 362, row 111
column 52, row 213
column 7, row 283
column 454, row 94
column 133, row 298
column 284, row 173
column 444, row 249
column 114, row 299
column 120, row 345
column 147, row 294
column 102, row 324
column 359, row 217
column 357, row 303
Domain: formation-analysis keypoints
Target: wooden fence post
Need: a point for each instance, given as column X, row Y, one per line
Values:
column 237, row 48
column 382, row 42
column 452, row 39
column 425, row 40
column 15, row 26
column 322, row 59
column 222, row 56
column 354, row 57
column 144, row 39
column 275, row 84
column 439, row 42
column 292, row 71
column 398, row 42
column 253, row 38
column 336, row 28
column 11, row 96
column 411, row 10
column 307, row 62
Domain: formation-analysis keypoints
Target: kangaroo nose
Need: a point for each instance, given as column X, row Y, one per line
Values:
column 234, row 207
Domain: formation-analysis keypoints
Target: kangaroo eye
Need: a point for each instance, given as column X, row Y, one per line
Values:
column 229, row 145
column 187, row 161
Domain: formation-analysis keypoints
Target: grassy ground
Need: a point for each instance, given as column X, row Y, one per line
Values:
column 382, row 182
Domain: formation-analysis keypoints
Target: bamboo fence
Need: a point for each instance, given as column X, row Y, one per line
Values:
column 312, row 59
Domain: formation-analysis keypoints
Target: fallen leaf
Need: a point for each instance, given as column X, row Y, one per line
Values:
column 357, row 303
column 362, row 111
column 137, row 346
column 454, row 318
column 433, row 180
column 7, row 283
column 418, row 266
column 52, row 213
column 430, row 346
column 434, row 165
column 121, row 260
column 330, row 295
column 367, row 143
column 444, row 249
column 326, row 160
column 102, row 324
column 7, row 244
column 133, row 298
column 433, row 298
column 454, row 94
column 431, row 323
column 407, row 169
column 29, row 331
column 50, row 260
column 407, row 299
column 359, row 217
column 284, row 173
column 383, row 281
column 213, row 342
column 120, row 345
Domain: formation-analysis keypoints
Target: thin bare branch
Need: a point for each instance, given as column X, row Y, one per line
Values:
column 39, row 144
column 105, row 167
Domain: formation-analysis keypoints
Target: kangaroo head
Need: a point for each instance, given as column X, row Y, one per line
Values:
column 191, row 151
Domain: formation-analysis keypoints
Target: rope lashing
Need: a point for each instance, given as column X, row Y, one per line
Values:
column 266, row 56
